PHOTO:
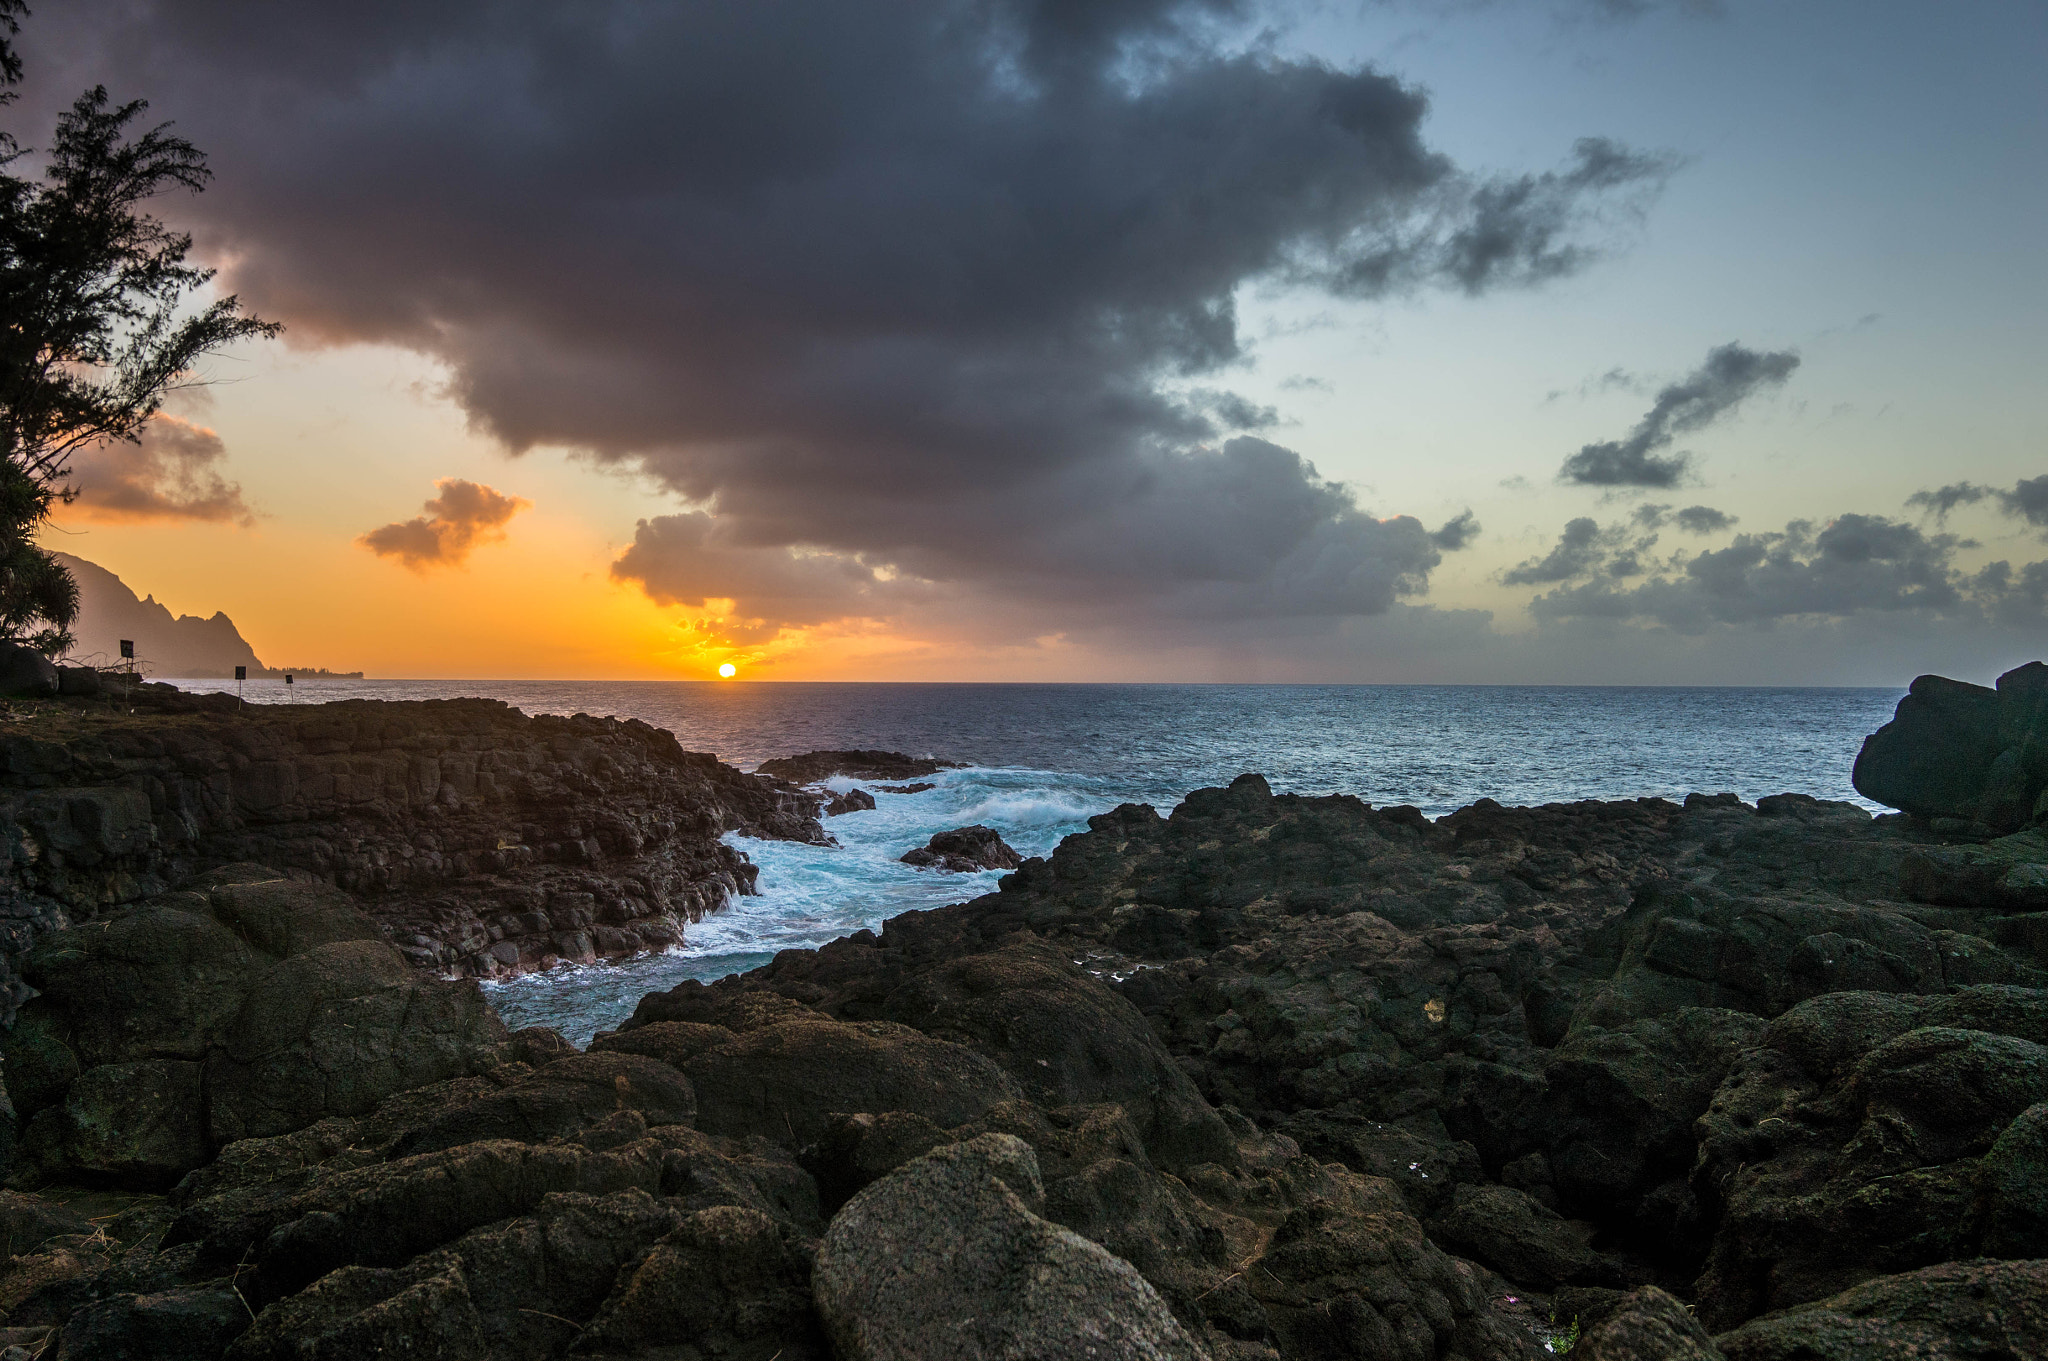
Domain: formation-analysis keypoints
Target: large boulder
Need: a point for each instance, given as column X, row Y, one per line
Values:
column 25, row 671
column 1968, row 752
column 947, row 1257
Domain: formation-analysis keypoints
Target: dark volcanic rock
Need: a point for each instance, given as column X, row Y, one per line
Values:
column 479, row 841
column 1272, row 1079
column 813, row 766
column 964, row 850
column 915, row 788
column 1958, row 1311
column 1963, row 752
column 166, row 1030
column 852, row 801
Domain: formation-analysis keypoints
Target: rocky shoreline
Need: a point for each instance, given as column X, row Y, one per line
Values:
column 482, row 841
column 1270, row 1077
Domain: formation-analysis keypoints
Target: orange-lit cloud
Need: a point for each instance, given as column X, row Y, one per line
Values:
column 168, row 474
column 463, row 516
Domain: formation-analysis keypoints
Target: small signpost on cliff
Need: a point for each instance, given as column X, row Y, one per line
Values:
column 128, row 660
column 288, row 686
column 241, row 674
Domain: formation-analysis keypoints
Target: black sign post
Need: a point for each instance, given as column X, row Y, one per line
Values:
column 288, row 684
column 128, row 658
column 241, row 674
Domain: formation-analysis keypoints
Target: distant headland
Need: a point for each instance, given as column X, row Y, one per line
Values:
column 165, row 644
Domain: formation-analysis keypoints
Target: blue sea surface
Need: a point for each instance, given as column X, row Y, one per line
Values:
column 1044, row 758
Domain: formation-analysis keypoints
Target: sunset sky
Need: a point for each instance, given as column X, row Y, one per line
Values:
column 1576, row 341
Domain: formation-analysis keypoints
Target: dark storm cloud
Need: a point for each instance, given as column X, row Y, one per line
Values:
column 918, row 287
column 1730, row 374
column 1457, row 533
column 1857, row 564
column 168, row 474
column 464, row 515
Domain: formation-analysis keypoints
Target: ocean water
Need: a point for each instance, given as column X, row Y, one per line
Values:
column 1043, row 758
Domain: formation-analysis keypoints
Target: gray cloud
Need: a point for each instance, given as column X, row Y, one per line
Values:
column 464, row 515
column 1703, row 520
column 1943, row 500
column 1731, row 374
column 1457, row 532
column 2028, row 499
column 1579, row 550
column 168, row 474
column 915, row 286
column 1586, row 548
column 1856, row 564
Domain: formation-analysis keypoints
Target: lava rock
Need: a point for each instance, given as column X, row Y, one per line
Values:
column 947, row 1257
column 964, row 850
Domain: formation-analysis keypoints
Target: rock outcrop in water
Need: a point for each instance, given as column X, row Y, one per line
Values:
column 480, row 840
column 813, row 766
column 1272, row 1077
column 964, row 850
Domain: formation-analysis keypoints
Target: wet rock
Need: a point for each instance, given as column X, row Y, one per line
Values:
column 814, row 766
column 852, row 801
column 964, row 850
column 946, row 1257
column 917, row 787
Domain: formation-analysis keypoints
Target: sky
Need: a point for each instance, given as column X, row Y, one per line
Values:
column 1561, row 341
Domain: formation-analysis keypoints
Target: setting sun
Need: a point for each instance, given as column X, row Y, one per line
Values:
column 727, row 670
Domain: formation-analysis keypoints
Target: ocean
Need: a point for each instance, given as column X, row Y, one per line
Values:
column 1044, row 758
